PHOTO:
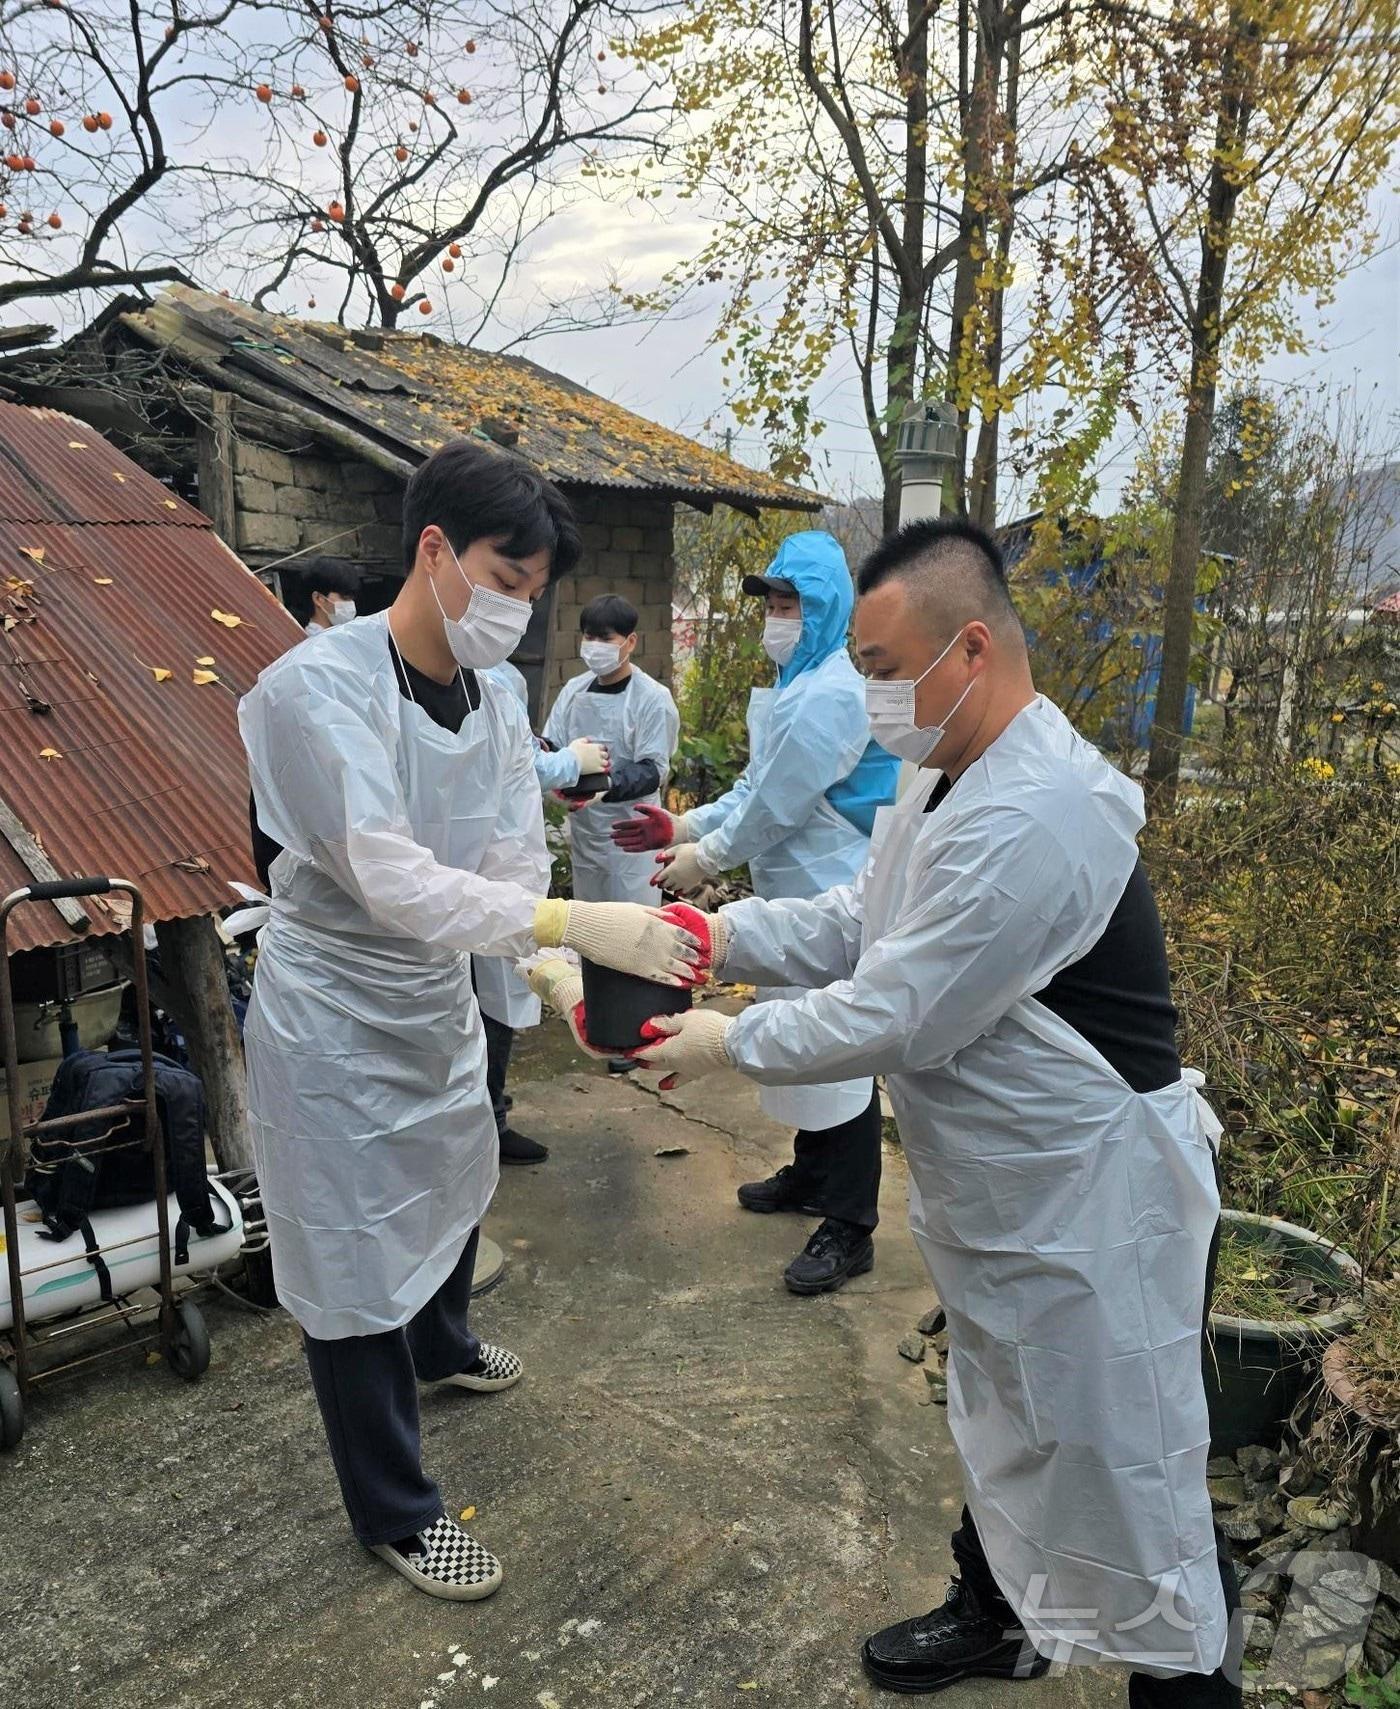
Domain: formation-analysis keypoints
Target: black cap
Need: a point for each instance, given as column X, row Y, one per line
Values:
column 762, row 586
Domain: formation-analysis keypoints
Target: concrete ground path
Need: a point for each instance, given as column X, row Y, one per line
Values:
column 705, row 1492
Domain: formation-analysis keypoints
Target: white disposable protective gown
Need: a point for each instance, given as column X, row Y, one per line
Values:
column 501, row 992
column 1065, row 1218
column 641, row 723
column 406, row 848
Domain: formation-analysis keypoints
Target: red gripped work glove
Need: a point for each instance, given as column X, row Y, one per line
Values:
column 708, row 930
column 653, row 828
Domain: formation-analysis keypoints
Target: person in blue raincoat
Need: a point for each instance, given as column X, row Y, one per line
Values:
column 800, row 816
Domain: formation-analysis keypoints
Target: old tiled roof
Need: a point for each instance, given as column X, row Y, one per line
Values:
column 406, row 393
column 128, row 630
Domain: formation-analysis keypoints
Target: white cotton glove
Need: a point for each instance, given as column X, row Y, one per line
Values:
column 682, row 870
column 592, row 757
column 625, row 936
column 559, row 986
column 688, row 1046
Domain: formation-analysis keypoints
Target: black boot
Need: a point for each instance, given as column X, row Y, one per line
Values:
column 836, row 1251
column 517, row 1148
column 960, row 1640
column 785, row 1191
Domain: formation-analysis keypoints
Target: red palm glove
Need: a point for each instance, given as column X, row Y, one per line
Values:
column 653, row 828
column 708, row 930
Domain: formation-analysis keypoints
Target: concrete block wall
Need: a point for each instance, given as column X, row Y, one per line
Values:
column 628, row 548
column 289, row 500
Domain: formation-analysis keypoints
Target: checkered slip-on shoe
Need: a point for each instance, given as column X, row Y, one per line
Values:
column 449, row 1564
column 497, row 1370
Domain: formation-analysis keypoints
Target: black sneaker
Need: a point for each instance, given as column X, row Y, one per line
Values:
column 836, row 1251
column 957, row 1641
column 516, row 1148
column 785, row 1191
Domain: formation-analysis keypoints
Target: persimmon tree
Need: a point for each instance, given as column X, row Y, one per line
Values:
column 411, row 151
column 401, row 152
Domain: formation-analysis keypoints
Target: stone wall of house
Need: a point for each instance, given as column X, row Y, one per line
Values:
column 628, row 548
column 289, row 500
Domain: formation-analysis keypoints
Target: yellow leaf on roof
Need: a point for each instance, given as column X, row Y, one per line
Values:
column 117, row 475
column 170, row 504
column 160, row 674
column 208, row 659
column 202, row 677
column 50, row 754
column 77, row 444
column 102, row 581
column 227, row 618
column 35, row 552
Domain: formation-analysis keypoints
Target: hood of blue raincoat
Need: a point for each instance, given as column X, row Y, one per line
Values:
column 816, row 566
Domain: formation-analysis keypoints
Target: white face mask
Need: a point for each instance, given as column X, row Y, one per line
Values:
column 342, row 611
column 489, row 630
column 890, row 708
column 601, row 657
column 780, row 638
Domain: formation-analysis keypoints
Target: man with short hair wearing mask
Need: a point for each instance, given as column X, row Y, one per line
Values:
column 615, row 702
column 320, row 593
column 1001, row 961
column 800, row 817
column 395, row 795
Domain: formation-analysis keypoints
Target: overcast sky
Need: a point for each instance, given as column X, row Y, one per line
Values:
column 667, row 372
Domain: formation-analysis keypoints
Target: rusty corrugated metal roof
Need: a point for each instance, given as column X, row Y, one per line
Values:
column 411, row 392
column 126, row 773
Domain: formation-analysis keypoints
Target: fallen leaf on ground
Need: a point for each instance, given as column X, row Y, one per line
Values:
column 468, row 1513
column 672, row 1151
column 202, row 677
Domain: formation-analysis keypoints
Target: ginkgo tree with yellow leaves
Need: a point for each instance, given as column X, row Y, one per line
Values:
column 903, row 188
column 1247, row 139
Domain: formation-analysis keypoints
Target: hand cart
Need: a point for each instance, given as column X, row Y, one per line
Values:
column 180, row 1330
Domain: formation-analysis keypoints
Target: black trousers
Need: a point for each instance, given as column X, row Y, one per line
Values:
column 842, row 1166
column 367, row 1390
column 499, row 1041
column 1218, row 1690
